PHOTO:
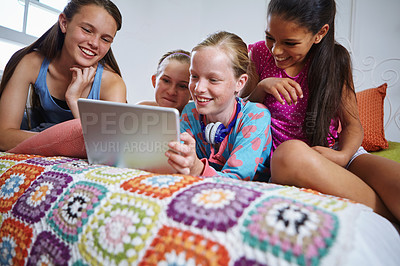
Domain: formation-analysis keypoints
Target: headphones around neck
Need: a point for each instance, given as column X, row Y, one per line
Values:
column 216, row 132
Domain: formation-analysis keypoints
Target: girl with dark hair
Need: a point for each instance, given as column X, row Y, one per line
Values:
column 304, row 78
column 72, row 60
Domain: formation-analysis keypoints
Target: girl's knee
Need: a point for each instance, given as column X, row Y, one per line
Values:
column 287, row 160
column 289, row 152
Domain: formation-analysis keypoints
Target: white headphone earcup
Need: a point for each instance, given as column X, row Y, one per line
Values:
column 213, row 131
column 207, row 132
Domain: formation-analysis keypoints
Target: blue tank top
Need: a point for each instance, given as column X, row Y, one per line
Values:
column 50, row 110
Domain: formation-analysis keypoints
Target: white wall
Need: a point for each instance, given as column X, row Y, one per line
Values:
column 150, row 28
column 369, row 28
column 373, row 32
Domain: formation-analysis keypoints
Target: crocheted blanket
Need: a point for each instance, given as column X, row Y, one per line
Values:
column 64, row 211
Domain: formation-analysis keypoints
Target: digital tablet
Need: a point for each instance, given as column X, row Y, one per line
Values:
column 128, row 135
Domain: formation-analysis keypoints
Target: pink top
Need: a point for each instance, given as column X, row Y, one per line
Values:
column 287, row 121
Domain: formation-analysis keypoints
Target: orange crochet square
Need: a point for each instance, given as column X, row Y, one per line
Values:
column 159, row 186
column 15, row 181
column 370, row 108
column 19, row 237
column 185, row 245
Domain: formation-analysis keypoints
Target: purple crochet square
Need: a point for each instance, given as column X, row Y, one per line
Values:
column 48, row 250
column 212, row 206
column 37, row 199
column 46, row 161
column 247, row 262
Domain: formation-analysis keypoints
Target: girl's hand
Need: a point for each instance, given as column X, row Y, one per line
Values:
column 335, row 156
column 82, row 78
column 278, row 87
column 182, row 156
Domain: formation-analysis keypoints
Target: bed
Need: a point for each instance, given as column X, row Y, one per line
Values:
column 60, row 210
column 63, row 211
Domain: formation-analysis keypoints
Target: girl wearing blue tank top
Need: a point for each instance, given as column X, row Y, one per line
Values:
column 72, row 60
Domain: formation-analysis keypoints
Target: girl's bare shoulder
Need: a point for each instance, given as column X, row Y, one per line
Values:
column 33, row 59
column 113, row 87
column 30, row 64
column 111, row 78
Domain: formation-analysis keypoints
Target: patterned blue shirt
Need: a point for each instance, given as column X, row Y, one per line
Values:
column 245, row 151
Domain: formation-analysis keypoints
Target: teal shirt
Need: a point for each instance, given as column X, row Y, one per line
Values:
column 244, row 153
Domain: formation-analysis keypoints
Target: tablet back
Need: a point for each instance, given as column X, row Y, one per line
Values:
column 127, row 135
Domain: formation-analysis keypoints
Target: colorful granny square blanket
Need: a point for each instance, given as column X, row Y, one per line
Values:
column 64, row 211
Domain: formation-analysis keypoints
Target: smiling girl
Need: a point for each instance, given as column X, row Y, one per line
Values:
column 221, row 134
column 305, row 80
column 72, row 60
column 171, row 80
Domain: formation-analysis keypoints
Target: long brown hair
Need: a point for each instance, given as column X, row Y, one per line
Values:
column 51, row 42
column 330, row 64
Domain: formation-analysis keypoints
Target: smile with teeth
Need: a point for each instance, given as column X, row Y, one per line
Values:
column 202, row 100
column 281, row 59
column 86, row 51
